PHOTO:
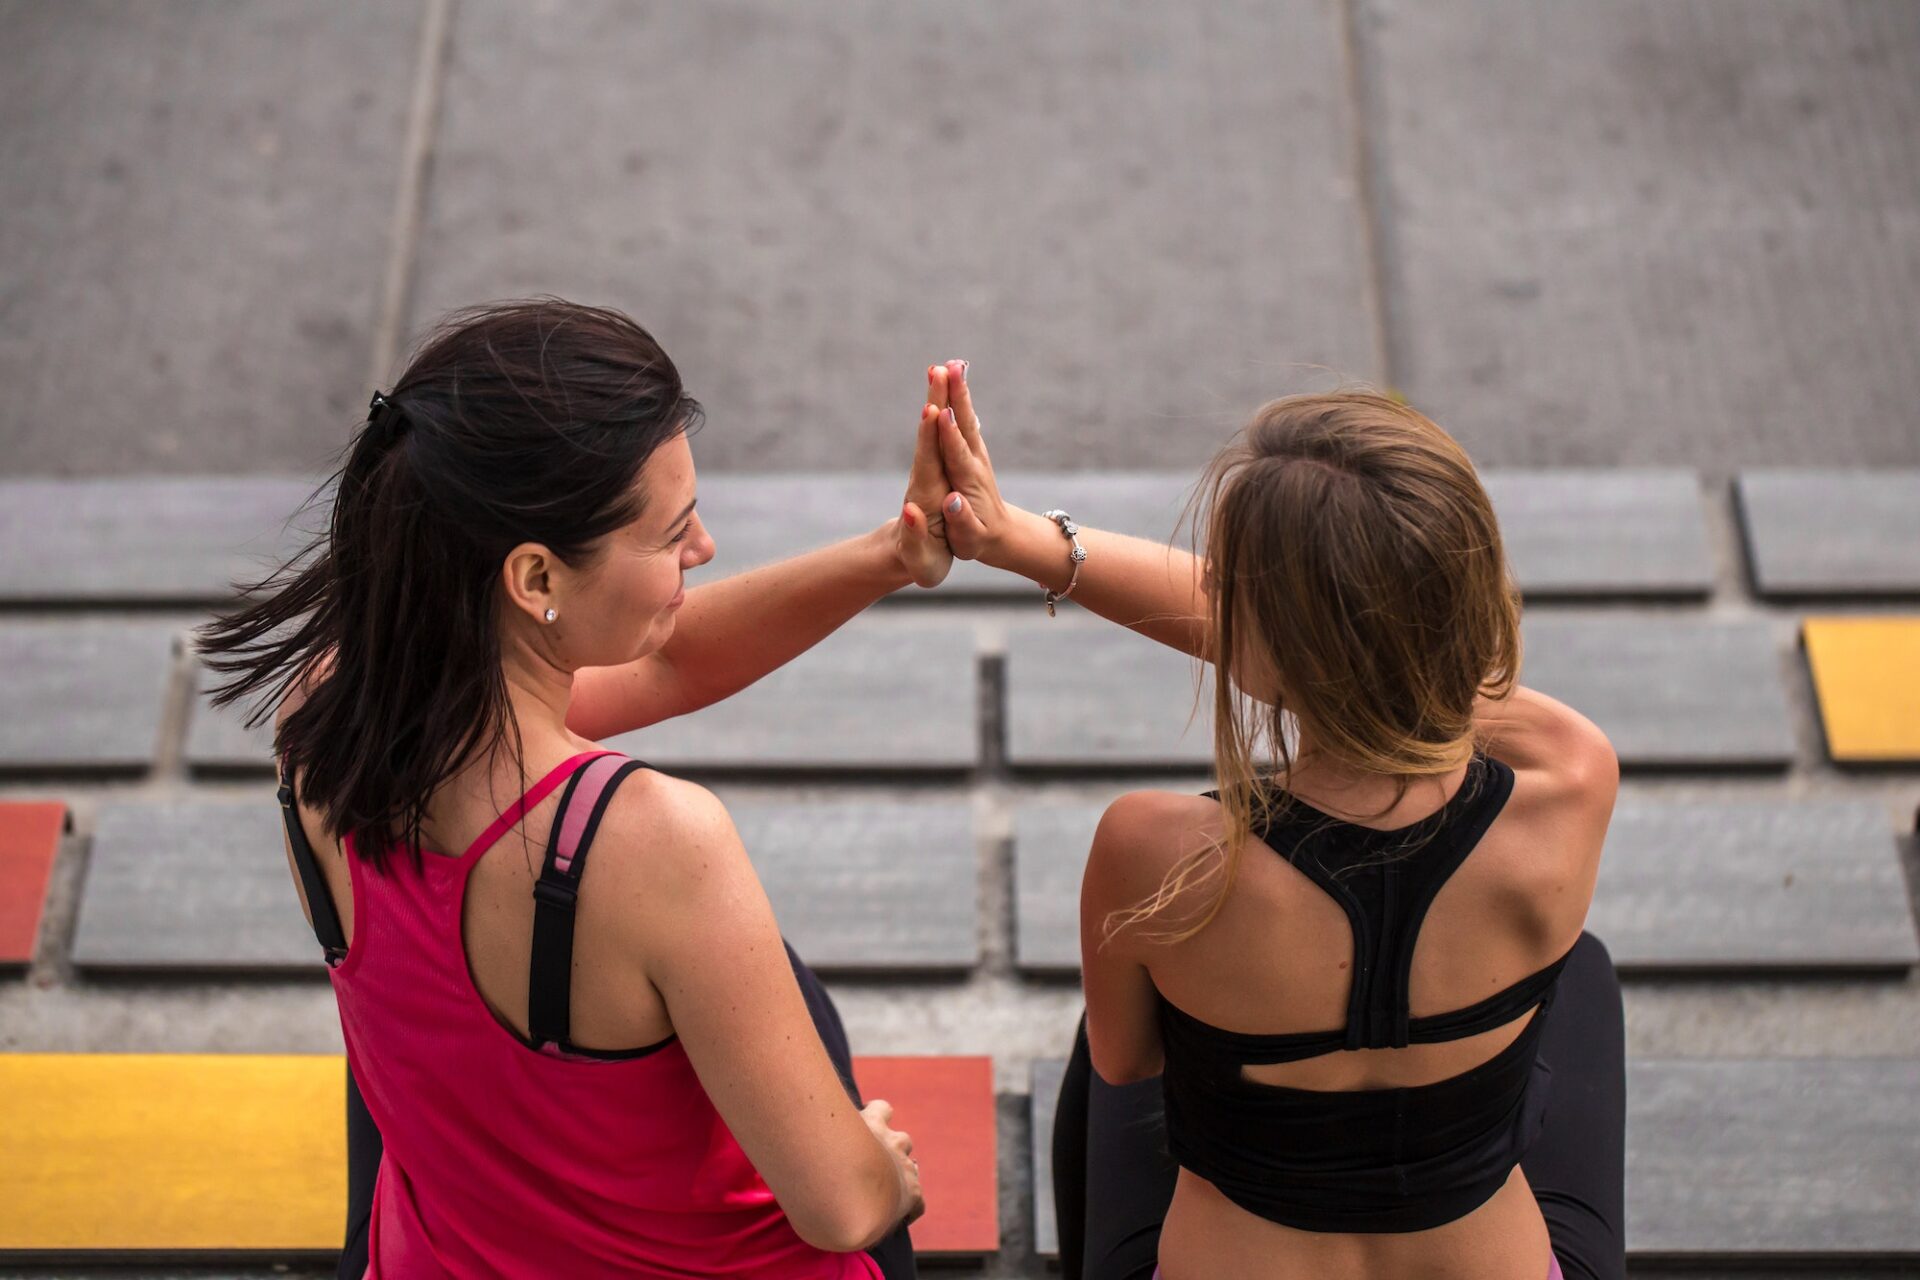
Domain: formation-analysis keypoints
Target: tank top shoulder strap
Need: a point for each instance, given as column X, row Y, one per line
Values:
column 325, row 918
column 556, row 894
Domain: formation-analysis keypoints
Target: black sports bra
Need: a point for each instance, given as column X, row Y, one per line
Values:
column 1372, row 1160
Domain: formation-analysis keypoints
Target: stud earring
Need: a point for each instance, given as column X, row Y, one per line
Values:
column 552, row 614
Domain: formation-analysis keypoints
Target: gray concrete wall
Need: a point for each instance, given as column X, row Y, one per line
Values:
column 1637, row 231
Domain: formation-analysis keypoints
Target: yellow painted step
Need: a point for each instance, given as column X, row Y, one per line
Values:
column 1866, row 672
column 172, row 1153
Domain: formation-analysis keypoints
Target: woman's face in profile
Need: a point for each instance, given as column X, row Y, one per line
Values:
column 627, row 603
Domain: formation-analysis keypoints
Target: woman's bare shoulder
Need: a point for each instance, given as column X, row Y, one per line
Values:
column 1153, row 823
column 1558, row 756
column 1545, row 862
column 1143, row 835
column 663, row 831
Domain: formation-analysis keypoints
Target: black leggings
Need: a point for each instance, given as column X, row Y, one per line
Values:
column 1113, row 1179
column 894, row 1254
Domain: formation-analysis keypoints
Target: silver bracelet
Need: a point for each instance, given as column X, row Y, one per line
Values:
column 1078, row 556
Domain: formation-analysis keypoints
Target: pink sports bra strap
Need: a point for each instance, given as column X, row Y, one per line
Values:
column 533, row 796
column 550, row 966
column 583, row 800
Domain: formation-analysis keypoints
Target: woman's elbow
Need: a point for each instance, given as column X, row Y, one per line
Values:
column 1119, row 1068
column 856, row 1214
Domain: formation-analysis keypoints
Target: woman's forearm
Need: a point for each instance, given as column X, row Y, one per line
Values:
column 732, row 632
column 1144, row 585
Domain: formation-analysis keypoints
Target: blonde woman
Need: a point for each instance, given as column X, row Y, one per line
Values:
column 1357, row 979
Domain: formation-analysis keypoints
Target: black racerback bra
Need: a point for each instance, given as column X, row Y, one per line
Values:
column 1369, row 1160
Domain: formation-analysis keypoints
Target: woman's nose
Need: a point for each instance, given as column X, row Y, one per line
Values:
column 702, row 549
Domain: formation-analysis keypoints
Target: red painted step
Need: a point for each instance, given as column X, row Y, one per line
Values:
column 946, row 1104
column 29, row 838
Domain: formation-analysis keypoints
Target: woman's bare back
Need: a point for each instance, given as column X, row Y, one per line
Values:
column 1278, row 959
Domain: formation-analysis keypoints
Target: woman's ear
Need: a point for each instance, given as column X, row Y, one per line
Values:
column 528, row 578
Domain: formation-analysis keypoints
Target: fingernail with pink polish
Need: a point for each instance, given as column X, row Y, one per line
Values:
column 947, row 415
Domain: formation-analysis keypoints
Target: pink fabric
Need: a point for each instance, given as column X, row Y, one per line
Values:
column 503, row 1161
column 594, row 776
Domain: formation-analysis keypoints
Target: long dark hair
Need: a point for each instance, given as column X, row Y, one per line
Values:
column 524, row 421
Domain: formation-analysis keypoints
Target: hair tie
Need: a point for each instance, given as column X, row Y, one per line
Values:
column 385, row 416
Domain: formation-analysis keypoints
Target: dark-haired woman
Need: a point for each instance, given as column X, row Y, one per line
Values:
column 1342, row 1020
column 580, row 1067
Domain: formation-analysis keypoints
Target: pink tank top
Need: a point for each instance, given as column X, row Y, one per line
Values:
column 502, row 1160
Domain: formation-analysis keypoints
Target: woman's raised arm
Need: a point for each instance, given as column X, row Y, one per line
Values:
column 1154, row 589
column 1160, row 591
column 732, row 632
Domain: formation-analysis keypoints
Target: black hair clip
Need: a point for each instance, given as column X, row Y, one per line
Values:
column 385, row 416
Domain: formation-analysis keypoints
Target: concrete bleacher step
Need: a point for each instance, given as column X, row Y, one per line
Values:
column 891, row 695
column 1866, row 678
column 865, row 886
column 195, row 886
column 1773, row 1158
column 1576, row 531
column 882, row 694
column 1830, row 532
column 1758, row 886
column 187, row 539
column 218, row 738
column 1584, row 531
column 29, row 841
column 1685, row 692
column 1594, row 531
column 1083, row 694
column 184, row 1156
column 843, row 891
column 144, row 539
column 84, row 694
column 1731, row 1161
column 1754, row 886
column 1044, row 1076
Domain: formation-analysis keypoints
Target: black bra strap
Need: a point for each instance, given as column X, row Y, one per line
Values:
column 1497, row 1010
column 550, row 967
column 320, row 909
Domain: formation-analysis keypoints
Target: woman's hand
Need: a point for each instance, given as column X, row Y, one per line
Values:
column 1155, row 589
column 879, row 1117
column 977, row 520
column 918, row 538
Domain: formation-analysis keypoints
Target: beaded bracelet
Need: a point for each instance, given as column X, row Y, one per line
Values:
column 1078, row 556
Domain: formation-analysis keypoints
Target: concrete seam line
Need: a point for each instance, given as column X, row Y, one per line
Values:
column 416, row 151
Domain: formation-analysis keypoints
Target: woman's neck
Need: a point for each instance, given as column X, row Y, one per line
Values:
column 1316, row 778
column 539, row 692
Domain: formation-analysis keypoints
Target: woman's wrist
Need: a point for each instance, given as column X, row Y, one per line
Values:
column 1031, row 546
column 881, row 555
